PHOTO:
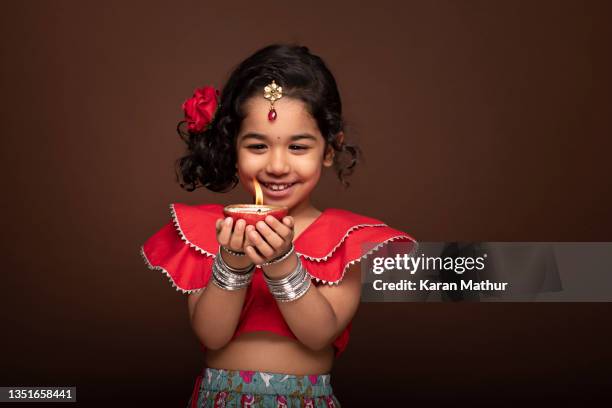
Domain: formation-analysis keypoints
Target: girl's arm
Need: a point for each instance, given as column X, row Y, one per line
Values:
column 214, row 312
column 322, row 313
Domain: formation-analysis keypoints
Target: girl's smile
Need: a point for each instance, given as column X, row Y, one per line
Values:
column 276, row 190
column 286, row 156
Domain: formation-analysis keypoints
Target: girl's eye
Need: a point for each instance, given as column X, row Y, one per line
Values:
column 256, row 146
column 298, row 147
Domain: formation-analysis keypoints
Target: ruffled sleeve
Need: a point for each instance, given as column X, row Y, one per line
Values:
column 340, row 238
column 184, row 249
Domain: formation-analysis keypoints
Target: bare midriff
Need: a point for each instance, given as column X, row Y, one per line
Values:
column 269, row 352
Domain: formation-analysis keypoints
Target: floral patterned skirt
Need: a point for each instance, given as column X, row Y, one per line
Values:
column 232, row 388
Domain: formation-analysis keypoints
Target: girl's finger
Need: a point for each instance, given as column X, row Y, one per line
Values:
column 246, row 242
column 253, row 255
column 288, row 221
column 237, row 238
column 226, row 231
column 247, row 231
column 261, row 245
column 281, row 229
column 271, row 237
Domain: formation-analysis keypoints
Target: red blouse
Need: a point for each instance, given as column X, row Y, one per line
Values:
column 184, row 249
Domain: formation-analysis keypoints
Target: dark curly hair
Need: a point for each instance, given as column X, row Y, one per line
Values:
column 210, row 160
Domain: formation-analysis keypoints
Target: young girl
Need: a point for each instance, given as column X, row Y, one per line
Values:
column 271, row 303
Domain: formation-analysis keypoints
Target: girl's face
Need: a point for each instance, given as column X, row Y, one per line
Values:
column 285, row 156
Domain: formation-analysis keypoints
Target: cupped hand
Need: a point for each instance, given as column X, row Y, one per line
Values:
column 232, row 237
column 229, row 236
column 269, row 239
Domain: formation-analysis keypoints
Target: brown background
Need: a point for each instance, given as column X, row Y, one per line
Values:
column 481, row 120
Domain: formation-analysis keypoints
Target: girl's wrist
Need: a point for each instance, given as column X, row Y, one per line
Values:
column 281, row 269
column 291, row 287
column 236, row 262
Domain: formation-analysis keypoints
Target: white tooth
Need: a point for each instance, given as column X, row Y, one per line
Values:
column 277, row 187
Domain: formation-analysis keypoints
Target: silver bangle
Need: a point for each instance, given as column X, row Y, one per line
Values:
column 228, row 278
column 292, row 287
column 280, row 258
column 231, row 251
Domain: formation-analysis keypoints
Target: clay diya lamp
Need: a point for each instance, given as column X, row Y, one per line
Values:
column 252, row 213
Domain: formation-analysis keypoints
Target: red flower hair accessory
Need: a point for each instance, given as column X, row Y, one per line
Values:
column 201, row 108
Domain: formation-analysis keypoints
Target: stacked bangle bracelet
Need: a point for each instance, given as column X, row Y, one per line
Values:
column 228, row 278
column 288, row 289
column 292, row 287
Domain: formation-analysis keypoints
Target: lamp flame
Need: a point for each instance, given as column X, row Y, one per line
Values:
column 258, row 192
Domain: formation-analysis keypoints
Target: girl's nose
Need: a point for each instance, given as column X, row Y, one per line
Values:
column 278, row 163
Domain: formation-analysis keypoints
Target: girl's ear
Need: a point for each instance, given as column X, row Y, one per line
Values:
column 328, row 159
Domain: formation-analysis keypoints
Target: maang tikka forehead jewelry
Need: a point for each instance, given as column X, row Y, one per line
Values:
column 272, row 92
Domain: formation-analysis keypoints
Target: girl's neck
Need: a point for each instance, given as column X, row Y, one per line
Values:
column 303, row 215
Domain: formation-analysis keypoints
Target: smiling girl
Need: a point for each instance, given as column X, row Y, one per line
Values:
column 271, row 303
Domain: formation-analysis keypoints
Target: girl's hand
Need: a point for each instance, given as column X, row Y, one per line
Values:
column 269, row 239
column 232, row 239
